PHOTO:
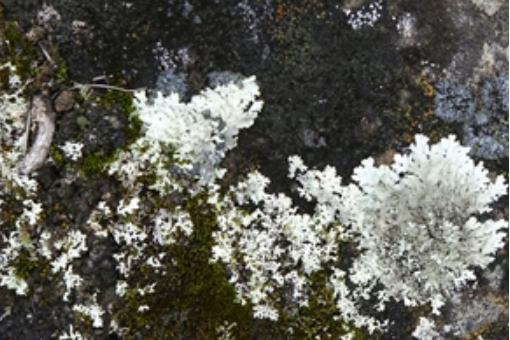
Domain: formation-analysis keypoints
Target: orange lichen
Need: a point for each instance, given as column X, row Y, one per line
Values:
column 428, row 90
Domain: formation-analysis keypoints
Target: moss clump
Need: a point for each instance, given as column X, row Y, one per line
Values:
column 24, row 264
column 9, row 213
column 118, row 98
column 5, row 75
column 194, row 298
column 133, row 129
column 124, row 100
column 62, row 69
column 320, row 318
column 95, row 163
column 18, row 50
column 57, row 156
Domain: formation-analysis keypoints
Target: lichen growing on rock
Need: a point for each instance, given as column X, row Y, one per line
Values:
column 484, row 117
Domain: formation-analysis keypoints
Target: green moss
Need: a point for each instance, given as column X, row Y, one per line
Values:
column 194, row 297
column 5, row 75
column 18, row 50
column 133, row 129
column 125, row 101
column 121, row 98
column 95, row 163
column 57, row 156
column 116, row 99
column 8, row 215
column 319, row 320
column 62, row 69
column 24, row 264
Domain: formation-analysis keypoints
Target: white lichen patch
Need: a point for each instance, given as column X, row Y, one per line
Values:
column 274, row 247
column 199, row 133
column 70, row 247
column 420, row 243
column 92, row 310
column 367, row 15
column 15, row 189
column 407, row 30
column 425, row 330
column 72, row 150
column 71, row 335
column 167, row 224
column 65, row 251
column 14, row 108
column 490, row 7
column 47, row 14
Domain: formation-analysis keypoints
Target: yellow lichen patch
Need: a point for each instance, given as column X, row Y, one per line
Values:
column 415, row 118
column 486, row 331
column 428, row 89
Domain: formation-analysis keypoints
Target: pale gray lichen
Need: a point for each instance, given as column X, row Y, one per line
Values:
column 484, row 117
column 454, row 103
column 487, row 132
column 169, row 81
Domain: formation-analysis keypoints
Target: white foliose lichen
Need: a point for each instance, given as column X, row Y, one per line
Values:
column 184, row 143
column 70, row 247
column 181, row 146
column 367, row 15
column 178, row 153
column 272, row 249
column 416, row 225
column 426, row 330
column 419, row 225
